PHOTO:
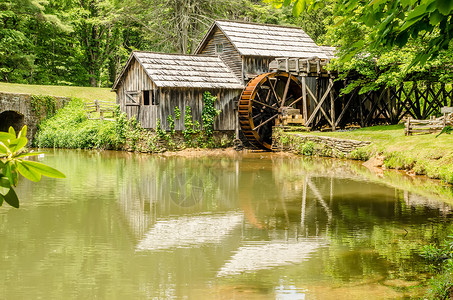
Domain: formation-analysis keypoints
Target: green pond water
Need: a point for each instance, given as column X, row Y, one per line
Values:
column 256, row 226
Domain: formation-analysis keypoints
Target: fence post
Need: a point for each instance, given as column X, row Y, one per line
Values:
column 408, row 125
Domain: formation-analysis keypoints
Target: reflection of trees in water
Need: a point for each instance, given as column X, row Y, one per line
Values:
column 372, row 228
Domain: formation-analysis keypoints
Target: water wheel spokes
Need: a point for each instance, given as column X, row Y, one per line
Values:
column 260, row 102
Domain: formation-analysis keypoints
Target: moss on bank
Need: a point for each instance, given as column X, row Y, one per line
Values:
column 420, row 154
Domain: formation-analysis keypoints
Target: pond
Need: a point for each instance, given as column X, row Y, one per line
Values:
column 239, row 226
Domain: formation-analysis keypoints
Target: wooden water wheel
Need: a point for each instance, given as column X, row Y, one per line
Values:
column 262, row 100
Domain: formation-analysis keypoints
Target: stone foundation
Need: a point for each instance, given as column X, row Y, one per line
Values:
column 314, row 145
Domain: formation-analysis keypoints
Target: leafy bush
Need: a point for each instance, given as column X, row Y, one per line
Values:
column 308, row 148
column 71, row 128
column 359, row 154
column 440, row 259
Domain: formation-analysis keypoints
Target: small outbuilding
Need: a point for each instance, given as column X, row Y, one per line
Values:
column 151, row 85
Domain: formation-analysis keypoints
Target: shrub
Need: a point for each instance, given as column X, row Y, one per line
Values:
column 308, row 148
column 71, row 128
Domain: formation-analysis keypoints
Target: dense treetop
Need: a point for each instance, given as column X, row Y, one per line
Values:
column 86, row 42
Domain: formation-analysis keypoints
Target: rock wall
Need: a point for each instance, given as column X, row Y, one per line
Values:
column 314, row 145
column 16, row 110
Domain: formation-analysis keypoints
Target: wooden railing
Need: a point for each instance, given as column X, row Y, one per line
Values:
column 432, row 125
column 105, row 109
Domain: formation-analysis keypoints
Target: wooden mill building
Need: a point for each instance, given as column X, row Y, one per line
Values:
column 248, row 48
column 151, row 85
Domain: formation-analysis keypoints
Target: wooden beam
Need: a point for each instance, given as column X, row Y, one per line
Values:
column 346, row 107
column 286, row 90
column 322, row 109
column 265, row 122
column 273, row 89
column 304, row 98
column 332, row 105
column 264, row 104
column 315, row 111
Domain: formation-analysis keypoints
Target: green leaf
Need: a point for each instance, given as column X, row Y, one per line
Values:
column 444, row 6
column 43, row 169
column 298, row 7
column 1, row 199
column 12, row 177
column 19, row 144
column 28, row 173
column 286, row 2
column 11, row 198
column 23, row 132
column 12, row 131
column 435, row 18
column 29, row 154
column 5, row 136
column 4, row 182
column 4, row 149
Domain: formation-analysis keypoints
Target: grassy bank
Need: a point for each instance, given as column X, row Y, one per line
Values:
column 85, row 93
column 421, row 154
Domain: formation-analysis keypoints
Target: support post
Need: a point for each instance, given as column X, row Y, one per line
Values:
column 332, row 104
column 304, row 98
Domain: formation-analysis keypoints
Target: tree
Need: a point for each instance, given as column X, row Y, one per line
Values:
column 97, row 29
column 12, row 164
column 177, row 25
column 391, row 23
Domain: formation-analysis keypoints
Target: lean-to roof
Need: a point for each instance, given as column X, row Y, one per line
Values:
column 252, row 39
column 184, row 71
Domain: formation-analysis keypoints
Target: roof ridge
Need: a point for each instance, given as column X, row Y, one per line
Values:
column 260, row 24
column 174, row 54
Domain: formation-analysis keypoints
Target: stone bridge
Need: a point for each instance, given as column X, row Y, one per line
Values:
column 16, row 110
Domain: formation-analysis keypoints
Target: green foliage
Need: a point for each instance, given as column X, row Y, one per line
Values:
column 439, row 256
column 308, row 148
column 46, row 103
column 359, row 154
column 383, row 43
column 159, row 132
column 191, row 128
column 447, row 129
column 171, row 124
column 208, row 115
column 177, row 113
column 71, row 128
column 13, row 162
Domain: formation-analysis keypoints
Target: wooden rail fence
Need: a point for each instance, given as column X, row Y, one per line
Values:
column 414, row 126
column 105, row 109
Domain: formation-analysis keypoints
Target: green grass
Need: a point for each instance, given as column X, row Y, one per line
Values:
column 425, row 154
column 85, row 93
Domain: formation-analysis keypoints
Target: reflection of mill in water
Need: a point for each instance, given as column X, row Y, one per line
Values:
column 262, row 213
column 184, row 207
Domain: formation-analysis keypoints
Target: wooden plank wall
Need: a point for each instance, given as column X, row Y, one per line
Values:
column 255, row 65
column 135, row 80
column 230, row 55
column 172, row 97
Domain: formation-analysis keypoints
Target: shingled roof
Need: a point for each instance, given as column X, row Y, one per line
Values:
column 252, row 39
column 185, row 71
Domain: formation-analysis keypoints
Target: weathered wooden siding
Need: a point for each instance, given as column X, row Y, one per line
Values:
column 255, row 65
column 230, row 55
column 136, row 80
column 171, row 97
